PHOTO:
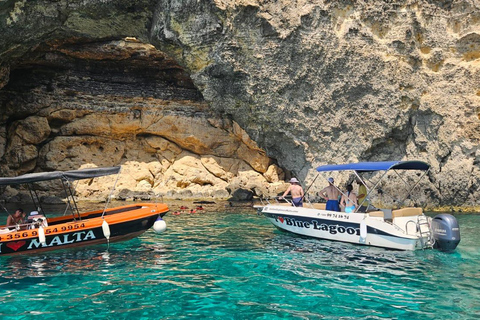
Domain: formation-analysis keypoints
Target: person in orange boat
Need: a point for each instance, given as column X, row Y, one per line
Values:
column 17, row 218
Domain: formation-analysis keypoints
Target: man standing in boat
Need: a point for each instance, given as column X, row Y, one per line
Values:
column 331, row 194
column 296, row 191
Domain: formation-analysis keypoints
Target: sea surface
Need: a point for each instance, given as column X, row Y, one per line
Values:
column 230, row 263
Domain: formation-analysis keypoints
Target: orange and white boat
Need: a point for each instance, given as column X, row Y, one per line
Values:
column 41, row 233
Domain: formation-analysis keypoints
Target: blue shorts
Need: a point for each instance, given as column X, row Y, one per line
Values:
column 297, row 202
column 332, row 205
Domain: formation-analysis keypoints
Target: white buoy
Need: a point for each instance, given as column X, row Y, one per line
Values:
column 41, row 236
column 363, row 230
column 159, row 226
column 106, row 229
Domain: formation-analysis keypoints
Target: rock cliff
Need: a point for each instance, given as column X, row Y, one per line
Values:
column 221, row 98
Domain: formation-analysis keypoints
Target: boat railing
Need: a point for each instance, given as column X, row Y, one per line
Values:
column 286, row 201
column 282, row 201
column 415, row 225
column 30, row 225
column 306, row 203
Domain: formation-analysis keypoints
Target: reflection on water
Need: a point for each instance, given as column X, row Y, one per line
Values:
column 233, row 265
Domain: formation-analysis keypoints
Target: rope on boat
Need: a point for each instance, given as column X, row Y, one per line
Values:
column 111, row 193
column 105, row 226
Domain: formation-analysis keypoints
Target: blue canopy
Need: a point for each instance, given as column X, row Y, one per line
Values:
column 375, row 166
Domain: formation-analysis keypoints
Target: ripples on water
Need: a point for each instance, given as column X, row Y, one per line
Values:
column 237, row 266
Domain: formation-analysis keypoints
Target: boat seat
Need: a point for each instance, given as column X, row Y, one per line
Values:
column 376, row 214
column 406, row 212
column 319, row 206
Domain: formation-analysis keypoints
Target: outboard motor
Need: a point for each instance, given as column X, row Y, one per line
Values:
column 446, row 232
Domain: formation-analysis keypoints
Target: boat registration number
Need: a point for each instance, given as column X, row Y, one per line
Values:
column 65, row 228
column 26, row 234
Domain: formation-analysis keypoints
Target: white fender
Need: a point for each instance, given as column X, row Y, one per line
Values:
column 159, row 226
column 363, row 229
column 106, row 229
column 41, row 236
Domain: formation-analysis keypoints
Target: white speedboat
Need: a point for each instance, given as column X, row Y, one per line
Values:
column 405, row 228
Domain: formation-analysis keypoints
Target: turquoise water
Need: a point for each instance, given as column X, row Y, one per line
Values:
column 236, row 265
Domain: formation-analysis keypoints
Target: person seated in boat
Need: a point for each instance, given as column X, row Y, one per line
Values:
column 362, row 194
column 296, row 190
column 331, row 194
column 349, row 200
column 36, row 219
column 17, row 218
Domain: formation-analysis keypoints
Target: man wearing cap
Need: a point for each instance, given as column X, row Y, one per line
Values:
column 331, row 194
column 297, row 192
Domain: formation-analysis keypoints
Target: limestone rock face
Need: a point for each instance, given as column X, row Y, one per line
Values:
column 228, row 98
column 332, row 82
column 123, row 103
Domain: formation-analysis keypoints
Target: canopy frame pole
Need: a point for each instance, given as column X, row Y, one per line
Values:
column 309, row 187
column 368, row 189
column 36, row 200
column 338, row 189
column 111, row 194
column 71, row 197
column 400, row 203
column 414, row 186
column 375, row 185
column 401, row 178
column 66, row 208
column 33, row 196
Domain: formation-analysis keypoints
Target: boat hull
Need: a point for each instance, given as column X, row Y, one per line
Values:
column 124, row 223
column 340, row 226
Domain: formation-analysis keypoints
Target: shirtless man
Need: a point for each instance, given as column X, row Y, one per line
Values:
column 331, row 194
column 17, row 218
column 297, row 192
